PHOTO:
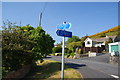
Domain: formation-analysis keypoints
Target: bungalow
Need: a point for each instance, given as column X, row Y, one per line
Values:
column 99, row 42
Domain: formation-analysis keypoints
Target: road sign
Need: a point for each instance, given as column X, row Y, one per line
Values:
column 64, row 33
column 63, row 26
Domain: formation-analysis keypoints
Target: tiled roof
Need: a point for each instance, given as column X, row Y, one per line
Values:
column 104, row 39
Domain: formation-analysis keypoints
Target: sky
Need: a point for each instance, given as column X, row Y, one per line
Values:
column 87, row 18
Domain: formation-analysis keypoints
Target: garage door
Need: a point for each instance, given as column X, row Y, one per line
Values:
column 114, row 47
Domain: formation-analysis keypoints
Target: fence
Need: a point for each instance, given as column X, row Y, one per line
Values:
column 93, row 49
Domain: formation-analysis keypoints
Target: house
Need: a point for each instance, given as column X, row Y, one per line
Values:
column 55, row 45
column 114, row 47
column 99, row 42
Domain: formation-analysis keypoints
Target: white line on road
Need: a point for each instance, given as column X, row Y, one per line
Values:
column 115, row 76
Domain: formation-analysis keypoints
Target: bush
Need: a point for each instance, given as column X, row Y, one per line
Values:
column 16, row 51
column 66, row 50
column 72, row 54
column 21, row 47
column 69, row 51
column 52, row 54
column 57, row 49
column 58, row 54
column 67, row 55
column 80, row 51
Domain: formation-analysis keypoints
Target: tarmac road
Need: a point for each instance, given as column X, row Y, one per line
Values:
column 94, row 68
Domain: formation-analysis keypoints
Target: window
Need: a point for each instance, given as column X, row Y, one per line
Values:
column 88, row 42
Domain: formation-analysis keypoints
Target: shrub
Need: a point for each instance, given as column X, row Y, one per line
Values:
column 56, row 49
column 67, row 54
column 80, row 51
column 72, row 54
column 23, row 45
column 52, row 54
column 58, row 54
column 69, row 51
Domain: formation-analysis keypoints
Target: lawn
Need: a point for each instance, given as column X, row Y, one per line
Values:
column 50, row 69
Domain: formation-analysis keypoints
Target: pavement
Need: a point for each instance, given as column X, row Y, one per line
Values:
column 93, row 68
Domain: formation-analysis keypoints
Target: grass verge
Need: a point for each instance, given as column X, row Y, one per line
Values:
column 50, row 69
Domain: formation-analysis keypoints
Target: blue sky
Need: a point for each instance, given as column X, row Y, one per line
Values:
column 87, row 18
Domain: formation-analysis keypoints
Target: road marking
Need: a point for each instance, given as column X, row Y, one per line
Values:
column 115, row 76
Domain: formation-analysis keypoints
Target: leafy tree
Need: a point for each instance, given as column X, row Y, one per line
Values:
column 73, row 39
column 72, row 46
column 50, row 44
column 57, row 50
column 60, row 44
column 24, row 45
column 109, row 41
column 43, row 43
column 82, row 41
column 83, row 38
column 16, row 51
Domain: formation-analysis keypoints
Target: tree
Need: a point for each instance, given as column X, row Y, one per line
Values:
column 60, row 44
column 57, row 50
column 43, row 43
column 50, row 44
column 72, row 46
column 109, row 41
column 16, row 51
column 73, row 39
column 82, row 40
column 24, row 45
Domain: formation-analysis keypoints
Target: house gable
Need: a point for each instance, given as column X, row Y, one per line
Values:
column 88, row 42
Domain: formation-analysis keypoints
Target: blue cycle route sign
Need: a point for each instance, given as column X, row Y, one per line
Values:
column 64, row 26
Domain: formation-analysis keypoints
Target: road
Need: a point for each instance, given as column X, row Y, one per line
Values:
column 94, row 67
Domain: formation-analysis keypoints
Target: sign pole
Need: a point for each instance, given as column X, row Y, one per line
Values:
column 61, row 32
column 63, row 47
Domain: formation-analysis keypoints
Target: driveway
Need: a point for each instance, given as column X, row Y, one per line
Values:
column 92, row 68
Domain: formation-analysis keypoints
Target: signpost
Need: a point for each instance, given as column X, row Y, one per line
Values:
column 64, row 34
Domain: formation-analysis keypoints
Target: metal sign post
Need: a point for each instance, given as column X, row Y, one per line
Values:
column 63, row 47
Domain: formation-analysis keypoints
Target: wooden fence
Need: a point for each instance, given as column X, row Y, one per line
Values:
column 93, row 49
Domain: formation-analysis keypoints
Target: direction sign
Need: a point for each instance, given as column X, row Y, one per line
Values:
column 64, row 33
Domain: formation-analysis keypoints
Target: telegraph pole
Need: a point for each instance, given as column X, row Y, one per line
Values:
column 40, row 19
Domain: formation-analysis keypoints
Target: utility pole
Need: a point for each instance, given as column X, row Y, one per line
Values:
column 40, row 19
